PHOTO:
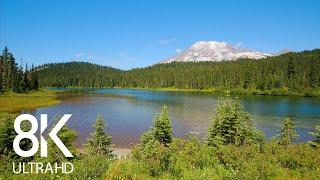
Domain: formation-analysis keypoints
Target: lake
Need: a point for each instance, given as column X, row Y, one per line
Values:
column 129, row 112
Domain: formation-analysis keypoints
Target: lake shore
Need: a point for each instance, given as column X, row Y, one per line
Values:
column 272, row 92
column 219, row 91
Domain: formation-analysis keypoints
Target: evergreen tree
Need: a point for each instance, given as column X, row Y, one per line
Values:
column 99, row 142
column 5, row 71
column 14, row 78
column 313, row 76
column 12, row 71
column 26, row 81
column 291, row 71
column 19, row 82
column 287, row 133
column 162, row 127
column 34, row 82
column 161, row 130
column 316, row 135
column 1, row 74
column 231, row 125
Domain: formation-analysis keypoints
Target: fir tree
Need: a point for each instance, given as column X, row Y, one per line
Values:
column 26, row 81
column 99, row 142
column 162, row 129
column 14, row 78
column 1, row 74
column 231, row 125
column 34, row 82
column 19, row 83
column 287, row 133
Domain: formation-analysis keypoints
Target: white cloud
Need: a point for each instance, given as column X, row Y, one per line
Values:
column 166, row 41
column 178, row 50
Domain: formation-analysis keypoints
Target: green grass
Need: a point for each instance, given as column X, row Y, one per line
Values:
column 13, row 102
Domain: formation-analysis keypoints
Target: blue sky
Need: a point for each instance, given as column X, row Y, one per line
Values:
column 127, row 34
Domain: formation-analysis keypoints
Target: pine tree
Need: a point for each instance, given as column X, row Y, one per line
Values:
column 162, row 128
column 1, row 74
column 99, row 142
column 26, row 81
column 14, row 78
column 34, row 82
column 12, row 71
column 18, row 85
column 287, row 133
column 316, row 135
column 5, row 65
column 232, row 125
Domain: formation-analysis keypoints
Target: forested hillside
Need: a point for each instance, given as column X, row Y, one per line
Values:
column 77, row 74
column 295, row 72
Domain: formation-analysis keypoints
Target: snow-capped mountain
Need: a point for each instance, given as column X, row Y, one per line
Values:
column 215, row 51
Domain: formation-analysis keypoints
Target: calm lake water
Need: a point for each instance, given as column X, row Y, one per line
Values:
column 129, row 113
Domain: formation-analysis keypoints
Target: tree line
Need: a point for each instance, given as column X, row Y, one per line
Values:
column 16, row 78
column 291, row 72
column 294, row 71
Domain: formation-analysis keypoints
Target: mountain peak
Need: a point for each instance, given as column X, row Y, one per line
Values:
column 214, row 51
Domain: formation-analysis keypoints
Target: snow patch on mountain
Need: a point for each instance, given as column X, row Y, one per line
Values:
column 215, row 51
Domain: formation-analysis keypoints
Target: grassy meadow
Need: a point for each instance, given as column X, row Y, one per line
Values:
column 13, row 102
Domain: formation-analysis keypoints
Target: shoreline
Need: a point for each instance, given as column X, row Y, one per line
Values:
column 250, row 92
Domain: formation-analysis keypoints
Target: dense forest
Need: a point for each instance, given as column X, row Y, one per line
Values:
column 77, row 74
column 291, row 72
column 14, row 78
